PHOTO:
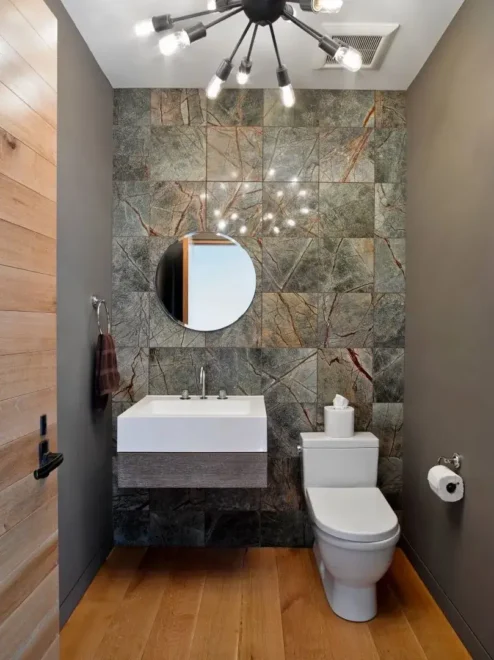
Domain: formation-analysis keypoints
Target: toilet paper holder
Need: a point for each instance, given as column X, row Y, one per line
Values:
column 454, row 461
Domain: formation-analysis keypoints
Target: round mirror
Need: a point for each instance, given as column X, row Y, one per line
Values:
column 206, row 281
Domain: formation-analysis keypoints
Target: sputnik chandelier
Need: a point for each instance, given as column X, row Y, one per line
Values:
column 260, row 13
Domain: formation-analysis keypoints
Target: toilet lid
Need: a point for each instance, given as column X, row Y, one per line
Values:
column 353, row 514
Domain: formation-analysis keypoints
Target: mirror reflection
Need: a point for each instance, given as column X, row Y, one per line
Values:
column 206, row 281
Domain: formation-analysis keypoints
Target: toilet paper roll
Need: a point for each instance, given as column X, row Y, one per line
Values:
column 446, row 484
column 339, row 422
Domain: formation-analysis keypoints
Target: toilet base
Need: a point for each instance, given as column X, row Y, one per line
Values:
column 358, row 604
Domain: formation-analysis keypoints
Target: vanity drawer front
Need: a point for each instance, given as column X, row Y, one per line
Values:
column 193, row 470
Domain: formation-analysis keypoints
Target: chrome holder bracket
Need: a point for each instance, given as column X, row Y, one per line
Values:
column 454, row 462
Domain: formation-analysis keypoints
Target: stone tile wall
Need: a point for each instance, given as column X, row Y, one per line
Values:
column 316, row 194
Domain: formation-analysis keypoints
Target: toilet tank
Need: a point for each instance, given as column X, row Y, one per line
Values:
column 339, row 463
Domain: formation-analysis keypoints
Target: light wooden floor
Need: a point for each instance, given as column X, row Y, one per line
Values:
column 256, row 604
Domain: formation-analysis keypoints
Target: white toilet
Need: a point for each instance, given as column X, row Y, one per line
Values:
column 355, row 529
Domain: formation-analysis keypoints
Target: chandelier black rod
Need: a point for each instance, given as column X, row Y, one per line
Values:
column 196, row 15
column 256, row 27
column 303, row 26
column 223, row 18
column 239, row 43
column 275, row 44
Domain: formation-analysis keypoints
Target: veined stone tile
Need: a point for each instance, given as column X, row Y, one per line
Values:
column 133, row 365
column 235, row 208
column 389, row 320
column 346, row 108
column 130, row 319
column 291, row 265
column 234, row 154
column 286, row 421
column 347, row 210
column 177, row 529
column 289, row 375
column 284, row 491
column 347, row 265
column 172, row 370
column 347, row 155
column 283, row 529
column 345, row 320
column 390, row 265
column 178, row 153
column 291, row 154
column 236, row 370
column 290, row 209
column 165, row 500
column 236, row 107
column 391, row 201
column 389, row 365
column 347, row 372
column 253, row 247
column 131, row 208
column 232, row 529
column 130, row 264
column 387, row 425
column 244, row 333
column 157, row 247
column 289, row 320
column 178, row 107
column 391, row 156
column 131, row 148
column 232, row 499
column 391, row 110
column 164, row 332
column 390, row 480
column 131, row 528
column 303, row 114
column 131, row 107
column 177, row 208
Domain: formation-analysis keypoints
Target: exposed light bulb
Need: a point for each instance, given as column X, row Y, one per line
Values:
column 242, row 77
column 350, row 58
column 214, row 87
column 212, row 5
column 327, row 6
column 222, row 225
column 144, row 28
column 174, row 42
column 287, row 96
column 243, row 73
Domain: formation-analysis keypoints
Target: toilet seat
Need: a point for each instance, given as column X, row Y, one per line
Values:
column 353, row 514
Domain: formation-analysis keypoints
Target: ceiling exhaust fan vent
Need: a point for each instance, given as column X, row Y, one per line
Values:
column 372, row 40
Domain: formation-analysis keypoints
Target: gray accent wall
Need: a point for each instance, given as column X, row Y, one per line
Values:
column 450, row 321
column 328, row 316
column 84, row 267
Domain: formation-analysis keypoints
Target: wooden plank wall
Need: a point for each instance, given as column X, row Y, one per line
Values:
column 28, row 509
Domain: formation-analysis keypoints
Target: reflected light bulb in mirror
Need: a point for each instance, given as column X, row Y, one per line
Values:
column 304, row 211
column 144, row 28
column 276, row 230
column 214, row 87
column 291, row 223
column 287, row 96
column 327, row 6
column 211, row 5
column 350, row 58
column 174, row 42
column 243, row 229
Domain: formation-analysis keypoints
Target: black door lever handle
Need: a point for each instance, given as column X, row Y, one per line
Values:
column 50, row 462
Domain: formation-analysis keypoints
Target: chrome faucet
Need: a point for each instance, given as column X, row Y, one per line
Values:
column 202, row 382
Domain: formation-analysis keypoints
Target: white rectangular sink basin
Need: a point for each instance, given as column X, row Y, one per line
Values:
column 169, row 424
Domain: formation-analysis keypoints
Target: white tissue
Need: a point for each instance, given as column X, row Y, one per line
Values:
column 442, row 480
column 340, row 401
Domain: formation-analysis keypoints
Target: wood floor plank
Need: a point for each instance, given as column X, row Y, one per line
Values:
column 22, row 79
column 20, row 416
column 23, row 165
column 216, row 635
column 24, row 291
column 84, row 631
column 133, row 619
column 23, row 38
column 173, row 629
column 31, row 630
column 24, row 373
column 429, row 624
column 390, row 630
column 24, row 123
column 26, row 208
column 27, row 332
column 261, row 628
column 26, row 249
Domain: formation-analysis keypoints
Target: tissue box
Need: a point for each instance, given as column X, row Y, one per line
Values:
column 339, row 422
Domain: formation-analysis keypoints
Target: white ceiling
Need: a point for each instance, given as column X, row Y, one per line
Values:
column 107, row 27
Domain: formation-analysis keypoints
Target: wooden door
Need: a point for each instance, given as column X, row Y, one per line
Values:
column 28, row 508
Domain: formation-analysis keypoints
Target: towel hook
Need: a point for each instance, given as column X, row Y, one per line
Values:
column 97, row 303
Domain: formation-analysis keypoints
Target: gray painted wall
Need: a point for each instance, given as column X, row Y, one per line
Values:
column 450, row 319
column 84, row 267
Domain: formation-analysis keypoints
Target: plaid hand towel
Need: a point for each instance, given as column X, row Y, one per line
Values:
column 106, row 376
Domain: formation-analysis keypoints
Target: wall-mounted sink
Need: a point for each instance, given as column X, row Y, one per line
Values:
column 167, row 442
